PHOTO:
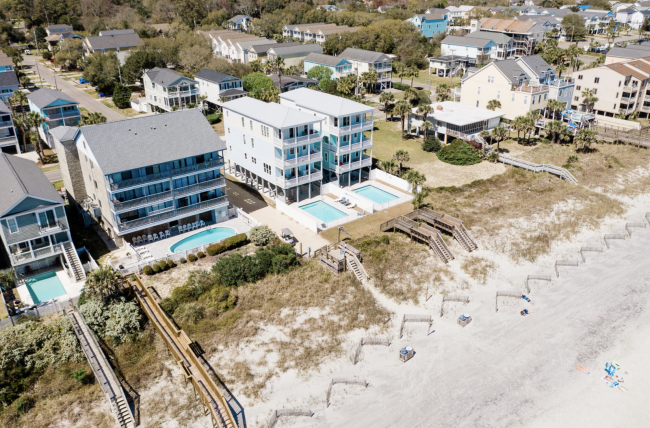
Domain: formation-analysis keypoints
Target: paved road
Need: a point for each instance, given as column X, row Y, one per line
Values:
column 78, row 94
column 54, row 175
column 601, row 40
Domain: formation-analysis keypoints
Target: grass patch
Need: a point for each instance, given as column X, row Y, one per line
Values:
column 369, row 225
column 92, row 93
column 424, row 76
column 478, row 268
column 58, row 184
column 50, row 168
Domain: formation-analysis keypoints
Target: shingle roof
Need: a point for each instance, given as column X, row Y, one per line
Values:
column 5, row 60
column 20, row 178
column 265, row 48
column 231, row 92
column 112, row 42
column 288, row 50
column 337, row 30
column 275, row 115
column 150, row 140
column 498, row 38
column 630, row 53
column 237, row 18
column 637, row 68
column 163, row 76
column 325, row 103
column 363, row 55
column 510, row 69
column 213, row 76
column 292, row 27
column 288, row 79
column 245, row 44
column 466, row 41
column 324, row 59
column 4, row 109
column 536, row 63
column 46, row 96
column 116, row 32
column 9, row 78
column 58, row 27
column 64, row 133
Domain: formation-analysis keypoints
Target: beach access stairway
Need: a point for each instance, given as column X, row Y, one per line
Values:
column 187, row 356
column 425, row 233
column 447, row 223
column 102, row 369
column 71, row 256
column 339, row 256
column 531, row 166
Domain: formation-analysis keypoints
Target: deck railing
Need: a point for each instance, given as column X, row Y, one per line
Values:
column 214, row 163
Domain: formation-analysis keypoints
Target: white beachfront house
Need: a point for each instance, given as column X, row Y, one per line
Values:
column 219, row 87
column 166, row 89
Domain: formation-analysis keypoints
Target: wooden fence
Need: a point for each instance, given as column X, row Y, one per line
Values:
column 613, row 236
column 536, row 278
column 629, row 226
column 515, row 294
column 415, row 318
column 462, row 299
column 270, row 423
column 564, row 263
column 589, row 249
column 349, row 381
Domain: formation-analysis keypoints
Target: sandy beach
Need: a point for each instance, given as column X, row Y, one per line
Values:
column 503, row 369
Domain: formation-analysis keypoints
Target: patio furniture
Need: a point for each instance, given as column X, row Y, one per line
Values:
column 155, row 237
column 168, row 233
column 138, row 240
column 202, row 223
column 162, row 235
column 180, row 229
column 184, row 228
column 150, row 239
column 195, row 224
column 144, row 239
column 134, row 241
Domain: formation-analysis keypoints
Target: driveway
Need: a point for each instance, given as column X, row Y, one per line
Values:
column 84, row 100
column 54, row 175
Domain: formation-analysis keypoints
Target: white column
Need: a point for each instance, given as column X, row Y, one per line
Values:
column 30, row 249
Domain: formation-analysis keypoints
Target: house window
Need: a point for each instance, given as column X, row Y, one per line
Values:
column 245, row 155
column 267, row 168
column 578, row 88
column 251, row 124
column 533, row 101
column 617, row 95
column 575, row 98
column 597, row 80
column 226, row 113
column 244, row 137
column 13, row 226
column 595, row 91
column 526, row 99
column 254, row 160
column 242, row 122
column 579, row 76
column 490, row 79
column 614, row 106
column 498, row 95
column 95, row 184
column 231, row 148
column 619, row 83
column 513, row 98
column 479, row 90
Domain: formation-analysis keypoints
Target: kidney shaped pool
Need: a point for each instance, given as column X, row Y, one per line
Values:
column 203, row 237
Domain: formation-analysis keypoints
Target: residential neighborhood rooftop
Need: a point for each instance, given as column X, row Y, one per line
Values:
column 64, row 133
column 510, row 69
column 324, row 59
column 288, row 50
column 46, row 96
column 150, row 140
column 22, row 177
column 116, row 32
column 536, row 63
column 506, row 25
column 9, row 79
column 163, row 76
column 364, row 55
column 275, row 115
column 466, row 41
column 212, row 75
column 289, row 79
column 460, row 114
column 498, row 38
column 112, row 42
column 325, row 103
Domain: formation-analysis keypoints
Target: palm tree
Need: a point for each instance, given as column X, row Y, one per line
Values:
column 412, row 72
column 519, row 124
column 411, row 96
column 553, row 130
column 369, row 78
column 425, row 127
column 584, row 139
column 402, row 109
column 493, row 105
column 442, row 92
column 499, row 134
column 201, row 99
column 425, row 111
column 19, row 98
column 401, row 156
column 398, row 70
column 388, row 165
column 386, row 98
column 270, row 95
column 561, row 69
column 589, row 98
column 415, row 179
column 20, row 123
column 103, row 283
column 34, row 120
column 553, row 106
column 256, row 66
column 92, row 118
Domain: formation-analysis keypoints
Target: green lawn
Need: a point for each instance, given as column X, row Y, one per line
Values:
column 387, row 140
column 434, row 80
column 58, row 184
column 92, row 93
column 50, row 168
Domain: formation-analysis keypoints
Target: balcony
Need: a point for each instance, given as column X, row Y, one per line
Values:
column 365, row 125
column 631, row 88
column 198, row 187
column 627, row 99
column 185, row 93
column 300, row 139
column 353, row 165
column 52, row 116
column 8, row 140
column 171, row 213
column 160, row 176
column 57, row 226
column 313, row 157
column 289, row 182
column 529, row 89
column 560, row 83
column 141, row 202
column 4, row 124
column 645, row 108
column 41, row 252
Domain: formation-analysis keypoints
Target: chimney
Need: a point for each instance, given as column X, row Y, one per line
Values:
column 439, row 108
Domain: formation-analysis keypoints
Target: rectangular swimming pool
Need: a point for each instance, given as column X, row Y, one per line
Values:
column 323, row 211
column 44, row 287
column 375, row 194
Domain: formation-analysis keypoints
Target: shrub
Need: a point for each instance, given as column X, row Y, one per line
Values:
column 168, row 305
column 148, row 270
column 227, row 244
column 572, row 159
column 261, row 235
column 191, row 258
column 23, row 404
column 189, row 313
column 95, row 314
column 162, row 265
column 121, row 96
column 401, row 86
column 156, row 267
column 47, row 55
column 171, row 264
column 431, row 144
column 123, row 320
column 81, row 376
column 183, row 260
column 200, row 254
column 214, row 118
column 459, row 153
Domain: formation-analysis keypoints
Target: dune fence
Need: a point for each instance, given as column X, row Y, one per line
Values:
column 629, row 226
column 461, row 299
column 415, row 318
column 565, row 263
column 270, row 423
column 514, row 294
column 349, row 381
column 536, row 278
column 583, row 250
column 369, row 341
column 610, row 236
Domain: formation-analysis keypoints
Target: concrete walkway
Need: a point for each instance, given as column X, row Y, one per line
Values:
column 278, row 221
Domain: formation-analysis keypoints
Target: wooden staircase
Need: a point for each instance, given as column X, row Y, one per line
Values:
column 462, row 236
column 531, row 166
column 73, row 262
column 423, row 232
column 354, row 265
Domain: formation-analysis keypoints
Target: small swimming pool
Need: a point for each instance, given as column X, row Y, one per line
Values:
column 204, row 237
column 323, row 211
column 375, row 194
column 44, row 287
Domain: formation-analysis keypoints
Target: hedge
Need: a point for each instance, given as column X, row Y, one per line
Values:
column 401, row 86
column 214, row 118
column 227, row 244
column 191, row 258
column 200, row 254
column 147, row 270
column 459, row 153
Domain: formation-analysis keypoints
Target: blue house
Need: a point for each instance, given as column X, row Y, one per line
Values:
column 430, row 24
column 340, row 66
column 57, row 108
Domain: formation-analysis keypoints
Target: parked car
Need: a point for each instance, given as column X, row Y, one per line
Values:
column 28, row 52
column 82, row 81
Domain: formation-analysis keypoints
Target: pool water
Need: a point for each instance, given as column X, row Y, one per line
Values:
column 203, row 237
column 44, row 287
column 375, row 194
column 323, row 211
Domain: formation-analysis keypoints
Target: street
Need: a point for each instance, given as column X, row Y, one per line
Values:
column 601, row 40
column 54, row 175
column 78, row 94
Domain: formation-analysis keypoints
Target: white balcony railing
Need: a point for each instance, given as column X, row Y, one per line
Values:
column 73, row 113
column 53, row 227
column 363, row 126
column 41, row 252
column 353, row 165
column 214, row 163
column 289, row 182
column 301, row 139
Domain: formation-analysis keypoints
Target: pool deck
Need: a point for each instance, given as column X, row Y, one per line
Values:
column 160, row 249
column 73, row 289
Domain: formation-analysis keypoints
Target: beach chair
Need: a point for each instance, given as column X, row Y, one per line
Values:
column 162, row 235
column 184, row 228
column 155, row 237
column 135, row 241
column 190, row 226
column 139, row 240
column 202, row 223
column 150, row 239
column 180, row 229
column 144, row 239
column 196, row 225
column 167, row 233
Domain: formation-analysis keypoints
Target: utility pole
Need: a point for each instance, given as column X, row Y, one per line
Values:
column 356, row 88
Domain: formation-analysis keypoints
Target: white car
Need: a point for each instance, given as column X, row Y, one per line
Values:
column 28, row 52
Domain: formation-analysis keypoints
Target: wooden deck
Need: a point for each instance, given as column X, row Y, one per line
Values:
column 423, row 232
column 639, row 138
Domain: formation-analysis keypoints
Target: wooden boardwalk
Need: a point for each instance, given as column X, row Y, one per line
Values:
column 425, row 233
column 531, row 166
column 185, row 353
column 447, row 223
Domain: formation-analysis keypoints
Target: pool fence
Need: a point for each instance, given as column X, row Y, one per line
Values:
column 42, row 309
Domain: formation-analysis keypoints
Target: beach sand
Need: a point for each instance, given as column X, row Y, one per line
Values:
column 503, row 370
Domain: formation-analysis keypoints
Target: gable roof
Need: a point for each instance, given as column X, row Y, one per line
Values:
column 288, row 79
column 325, row 103
column 297, row 49
column 58, row 27
column 46, row 96
column 510, row 69
column 20, row 178
column 466, row 41
column 506, row 25
column 213, row 76
column 116, row 32
column 432, row 16
column 164, row 76
column 325, row 59
column 64, row 133
column 150, row 140
column 498, row 38
column 536, row 63
column 629, row 53
column 639, row 68
column 275, row 115
column 238, row 18
column 246, row 44
column 112, row 42
column 9, row 78
column 363, row 55
column 265, row 48
column 294, row 26
column 4, row 109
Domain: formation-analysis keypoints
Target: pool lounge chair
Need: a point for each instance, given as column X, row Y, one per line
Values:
column 168, row 233
column 150, row 239
column 180, row 229
column 202, row 223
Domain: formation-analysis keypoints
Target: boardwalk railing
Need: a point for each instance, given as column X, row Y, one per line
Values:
column 551, row 169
